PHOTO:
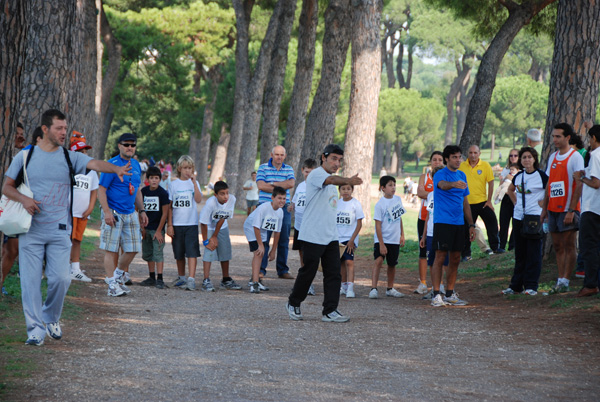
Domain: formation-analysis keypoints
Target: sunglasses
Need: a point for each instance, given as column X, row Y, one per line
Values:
column 514, row 156
column 128, row 145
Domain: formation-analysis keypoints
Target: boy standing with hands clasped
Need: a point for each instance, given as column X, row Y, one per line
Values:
column 156, row 204
column 389, row 235
column 215, row 232
column 184, row 193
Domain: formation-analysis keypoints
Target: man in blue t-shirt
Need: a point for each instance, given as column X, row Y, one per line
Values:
column 450, row 193
column 120, row 223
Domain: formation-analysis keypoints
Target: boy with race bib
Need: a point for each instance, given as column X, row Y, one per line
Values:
column 389, row 235
column 349, row 222
column 184, row 194
column 215, row 234
column 267, row 217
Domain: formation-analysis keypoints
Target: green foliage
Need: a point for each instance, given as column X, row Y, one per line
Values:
column 518, row 104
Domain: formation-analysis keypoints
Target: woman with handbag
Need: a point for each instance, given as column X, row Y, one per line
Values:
column 526, row 192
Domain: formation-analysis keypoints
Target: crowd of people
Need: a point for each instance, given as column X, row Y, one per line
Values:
column 141, row 205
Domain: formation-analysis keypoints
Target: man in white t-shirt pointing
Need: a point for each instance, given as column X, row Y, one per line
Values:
column 320, row 236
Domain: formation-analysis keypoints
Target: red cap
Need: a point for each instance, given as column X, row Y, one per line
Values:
column 79, row 145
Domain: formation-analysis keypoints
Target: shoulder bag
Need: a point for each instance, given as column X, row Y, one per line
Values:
column 531, row 227
column 14, row 218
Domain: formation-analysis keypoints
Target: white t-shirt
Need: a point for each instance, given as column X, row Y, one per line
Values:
column 429, row 204
column 590, row 198
column 318, row 221
column 251, row 195
column 181, row 194
column 535, row 184
column 348, row 213
column 299, row 202
column 389, row 212
column 86, row 183
column 214, row 211
column 266, row 219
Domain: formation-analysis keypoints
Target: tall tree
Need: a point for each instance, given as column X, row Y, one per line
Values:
column 575, row 68
column 320, row 123
column 502, row 19
column 274, row 88
column 13, row 39
column 307, row 33
column 364, row 96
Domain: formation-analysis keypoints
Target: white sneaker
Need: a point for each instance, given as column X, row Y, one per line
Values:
column 53, row 329
column 437, row 301
column 393, row 293
column 342, row 291
column 311, row 291
column 373, row 294
column 530, row 292
column 350, row 294
column 508, row 291
column 80, row 276
column 115, row 290
column 421, row 289
column 335, row 316
column 454, row 300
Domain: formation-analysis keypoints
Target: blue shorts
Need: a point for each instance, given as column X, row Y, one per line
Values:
column 345, row 255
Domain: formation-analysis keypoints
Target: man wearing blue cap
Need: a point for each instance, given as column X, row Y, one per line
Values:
column 120, row 223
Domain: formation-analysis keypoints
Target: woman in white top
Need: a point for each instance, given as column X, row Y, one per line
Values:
column 528, row 185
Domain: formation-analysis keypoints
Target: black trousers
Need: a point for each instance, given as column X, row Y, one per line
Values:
column 329, row 255
column 528, row 261
column 491, row 226
column 589, row 246
column 506, row 212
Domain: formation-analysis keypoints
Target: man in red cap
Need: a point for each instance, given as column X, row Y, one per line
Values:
column 85, row 194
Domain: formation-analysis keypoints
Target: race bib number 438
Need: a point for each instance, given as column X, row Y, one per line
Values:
column 182, row 201
column 557, row 189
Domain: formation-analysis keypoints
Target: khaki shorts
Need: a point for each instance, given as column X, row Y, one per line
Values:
column 125, row 234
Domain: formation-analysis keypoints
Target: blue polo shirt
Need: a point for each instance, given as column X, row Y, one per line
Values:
column 117, row 192
column 269, row 174
column 448, row 204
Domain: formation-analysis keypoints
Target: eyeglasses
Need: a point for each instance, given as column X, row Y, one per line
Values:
column 514, row 156
column 128, row 145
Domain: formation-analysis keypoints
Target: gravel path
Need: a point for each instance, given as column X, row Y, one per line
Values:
column 232, row 345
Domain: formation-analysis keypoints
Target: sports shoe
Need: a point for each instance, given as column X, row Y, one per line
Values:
column 115, row 290
column 373, row 294
column 466, row 259
column 230, row 284
column 254, row 288
column 54, row 330
column 559, row 288
column 437, row 301
column 454, row 300
column 191, row 284
column 489, row 251
column 342, row 291
column 393, row 293
column 421, row 289
column 311, row 291
column 428, row 296
column 294, row 312
column 262, row 286
column 350, row 294
column 530, row 292
column 124, row 288
column 160, row 284
column 500, row 251
column 580, row 274
column 180, row 283
column 127, row 279
column 80, row 276
column 34, row 340
column 148, row 282
column 207, row 285
column 335, row 316
column 508, row 291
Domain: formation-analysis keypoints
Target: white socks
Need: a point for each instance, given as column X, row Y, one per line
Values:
column 75, row 268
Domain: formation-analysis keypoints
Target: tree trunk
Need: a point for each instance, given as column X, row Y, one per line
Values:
column 256, row 89
column 243, row 9
column 409, row 70
column 462, row 107
column 109, row 80
column 60, row 69
column 575, row 69
column 364, row 96
column 13, row 42
column 203, row 143
column 400, row 157
column 450, row 97
column 399, row 62
column 321, row 120
column 218, row 166
column 305, row 64
column 377, row 158
column 389, row 150
column 519, row 16
column 274, row 89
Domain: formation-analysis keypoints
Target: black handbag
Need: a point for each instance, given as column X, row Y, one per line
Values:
column 531, row 227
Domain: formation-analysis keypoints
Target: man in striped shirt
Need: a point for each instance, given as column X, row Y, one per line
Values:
column 271, row 174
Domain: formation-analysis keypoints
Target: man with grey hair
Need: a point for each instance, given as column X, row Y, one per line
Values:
column 534, row 140
column 271, row 174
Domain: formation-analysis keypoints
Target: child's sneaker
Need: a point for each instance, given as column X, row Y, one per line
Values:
column 437, row 301
column 191, row 284
column 262, row 286
column 373, row 294
column 160, row 284
column 148, row 282
column 80, row 276
column 454, row 300
column 393, row 293
column 207, row 285
column 254, row 288
column 124, row 288
column 179, row 283
column 230, row 285
column 115, row 290
column 127, row 279
column 311, row 291
column 350, row 294
column 421, row 289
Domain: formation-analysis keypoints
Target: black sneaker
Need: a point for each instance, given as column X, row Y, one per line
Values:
column 160, row 284
column 148, row 282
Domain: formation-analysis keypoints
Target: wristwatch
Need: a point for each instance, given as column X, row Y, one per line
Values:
column 571, row 210
column 472, row 225
column 142, row 210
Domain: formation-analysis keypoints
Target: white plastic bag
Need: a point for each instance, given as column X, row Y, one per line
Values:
column 14, row 218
